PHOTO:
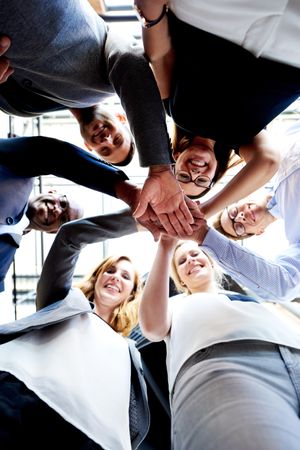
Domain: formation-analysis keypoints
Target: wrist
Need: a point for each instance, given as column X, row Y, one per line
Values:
column 127, row 192
column 152, row 15
column 160, row 168
column 201, row 234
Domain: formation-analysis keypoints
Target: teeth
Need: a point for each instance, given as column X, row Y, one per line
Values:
column 195, row 268
column 198, row 163
column 112, row 286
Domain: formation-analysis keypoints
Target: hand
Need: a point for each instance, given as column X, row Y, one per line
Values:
column 150, row 221
column 199, row 233
column 163, row 193
column 5, row 69
column 130, row 194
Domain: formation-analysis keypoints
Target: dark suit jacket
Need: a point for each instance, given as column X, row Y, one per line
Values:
column 22, row 159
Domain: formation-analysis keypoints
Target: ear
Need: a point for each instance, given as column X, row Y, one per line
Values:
column 175, row 155
column 259, row 232
column 121, row 117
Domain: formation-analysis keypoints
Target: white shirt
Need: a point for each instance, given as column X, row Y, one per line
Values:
column 278, row 279
column 201, row 320
column 269, row 28
column 81, row 368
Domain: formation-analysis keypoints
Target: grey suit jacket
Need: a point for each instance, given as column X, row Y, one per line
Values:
column 56, row 67
column 57, row 301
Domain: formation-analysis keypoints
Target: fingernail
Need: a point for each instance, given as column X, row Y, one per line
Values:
column 4, row 41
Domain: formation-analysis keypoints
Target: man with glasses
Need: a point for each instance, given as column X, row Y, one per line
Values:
column 277, row 279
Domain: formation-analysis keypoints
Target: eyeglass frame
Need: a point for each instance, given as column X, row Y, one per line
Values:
column 190, row 180
column 245, row 234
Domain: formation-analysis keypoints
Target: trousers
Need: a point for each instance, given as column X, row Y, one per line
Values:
column 28, row 422
column 238, row 395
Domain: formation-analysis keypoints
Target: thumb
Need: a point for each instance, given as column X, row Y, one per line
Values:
column 141, row 208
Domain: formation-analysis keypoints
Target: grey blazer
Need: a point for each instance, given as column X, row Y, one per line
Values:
column 57, row 301
column 56, row 67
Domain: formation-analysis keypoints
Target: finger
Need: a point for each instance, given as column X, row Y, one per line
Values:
column 179, row 215
column 166, row 224
column 5, row 73
column 4, row 44
column 194, row 207
column 154, row 230
column 140, row 209
column 181, row 227
column 152, row 215
column 186, row 212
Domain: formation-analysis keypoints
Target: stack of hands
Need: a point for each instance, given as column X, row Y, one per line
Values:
column 160, row 206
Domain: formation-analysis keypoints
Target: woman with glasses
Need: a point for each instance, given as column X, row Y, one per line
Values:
column 233, row 364
column 225, row 70
column 200, row 163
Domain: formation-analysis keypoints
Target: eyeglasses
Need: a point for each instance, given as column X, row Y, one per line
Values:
column 201, row 180
column 238, row 227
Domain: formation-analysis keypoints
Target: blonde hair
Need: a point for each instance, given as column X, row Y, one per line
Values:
column 125, row 315
column 218, row 274
column 225, row 156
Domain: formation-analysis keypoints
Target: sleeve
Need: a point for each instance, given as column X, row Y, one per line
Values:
column 58, row 269
column 132, row 78
column 34, row 156
column 277, row 280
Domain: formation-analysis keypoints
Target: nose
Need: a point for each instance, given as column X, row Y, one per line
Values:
column 115, row 277
column 240, row 217
column 196, row 170
column 108, row 139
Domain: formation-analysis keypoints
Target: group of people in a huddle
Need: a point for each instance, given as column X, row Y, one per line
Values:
column 71, row 376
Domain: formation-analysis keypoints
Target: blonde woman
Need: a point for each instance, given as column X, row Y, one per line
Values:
column 232, row 365
column 72, row 379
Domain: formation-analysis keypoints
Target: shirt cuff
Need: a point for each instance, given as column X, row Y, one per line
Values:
column 215, row 243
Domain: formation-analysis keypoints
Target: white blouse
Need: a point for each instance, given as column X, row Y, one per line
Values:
column 201, row 320
column 81, row 368
column 269, row 28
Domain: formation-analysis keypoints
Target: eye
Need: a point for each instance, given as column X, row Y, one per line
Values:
column 195, row 253
column 126, row 275
column 184, row 177
column 239, row 229
column 118, row 141
column 63, row 202
column 202, row 181
column 233, row 212
column 181, row 261
column 111, row 269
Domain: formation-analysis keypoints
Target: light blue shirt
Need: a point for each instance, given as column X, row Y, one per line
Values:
column 279, row 279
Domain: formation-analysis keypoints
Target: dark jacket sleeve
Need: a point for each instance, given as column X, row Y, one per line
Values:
column 131, row 76
column 34, row 156
column 58, row 269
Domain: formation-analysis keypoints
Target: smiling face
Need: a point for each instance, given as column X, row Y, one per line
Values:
column 113, row 286
column 197, row 161
column 47, row 212
column 193, row 268
column 249, row 216
column 108, row 137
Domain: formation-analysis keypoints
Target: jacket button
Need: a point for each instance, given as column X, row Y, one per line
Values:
column 9, row 220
